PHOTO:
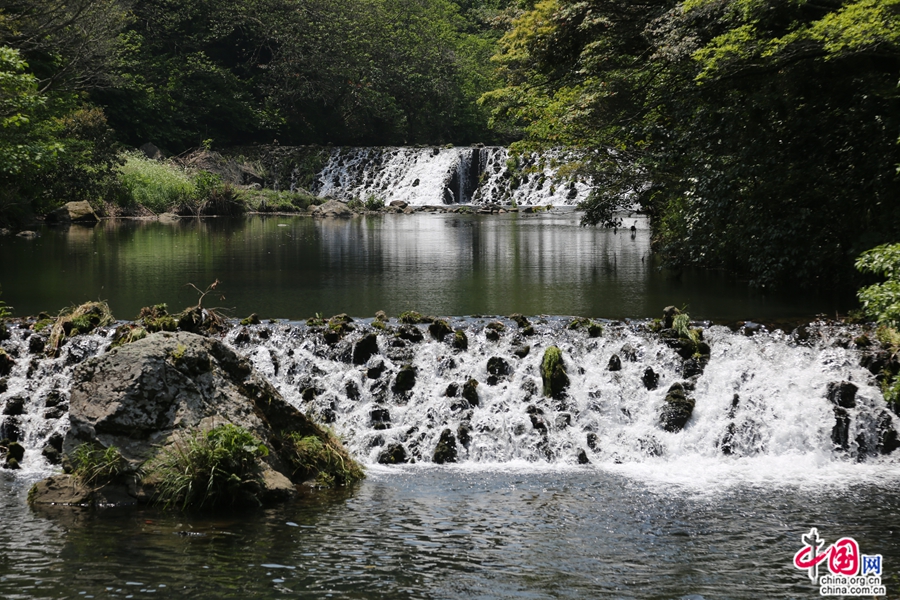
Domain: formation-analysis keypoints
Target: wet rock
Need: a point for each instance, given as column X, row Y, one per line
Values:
column 593, row 442
column 410, row 334
column 669, row 314
column 497, row 365
column 36, row 344
column 460, row 340
column 243, row 337
column 693, row 366
column 470, row 392
column 650, row 446
column 15, row 451
column 11, row 429
column 452, row 390
column 439, row 329
column 6, row 363
column 582, row 457
column 56, row 412
column 463, row 434
column 615, row 363
column 887, row 436
column 493, row 330
column 15, row 405
column 553, row 373
column 374, row 368
column 521, row 351
column 53, row 456
column 381, row 418
column 840, row 433
column 445, row 452
column 629, row 353
column 394, row 454
column 677, row 409
column 563, row 420
column 650, row 379
column 842, row 394
column 536, row 415
column 352, row 390
column 365, row 348
column 405, row 380
column 4, row 385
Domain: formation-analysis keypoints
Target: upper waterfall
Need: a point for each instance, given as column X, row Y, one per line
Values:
column 449, row 175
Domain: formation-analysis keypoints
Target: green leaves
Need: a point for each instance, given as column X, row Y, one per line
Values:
column 882, row 300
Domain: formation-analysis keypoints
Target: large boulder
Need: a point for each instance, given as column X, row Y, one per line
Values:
column 73, row 212
column 332, row 208
column 143, row 397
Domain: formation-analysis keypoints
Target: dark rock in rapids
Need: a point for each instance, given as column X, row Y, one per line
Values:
column 445, row 451
column 140, row 398
column 394, row 454
column 374, row 368
column 521, row 351
column 6, row 363
column 365, row 348
column 842, row 393
column 405, row 380
column 498, row 369
column 629, row 353
column 650, row 379
column 15, row 405
column 460, row 340
column 677, row 409
column 582, row 457
column 470, row 392
column 615, row 363
column 439, row 328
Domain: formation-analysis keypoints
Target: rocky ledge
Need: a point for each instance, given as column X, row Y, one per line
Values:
column 147, row 400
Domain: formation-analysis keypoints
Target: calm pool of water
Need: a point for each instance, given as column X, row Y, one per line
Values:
column 294, row 267
column 427, row 532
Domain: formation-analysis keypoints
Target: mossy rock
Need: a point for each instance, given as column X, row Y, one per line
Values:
column 253, row 319
column 410, row 317
column 553, row 373
column 677, row 409
column 580, row 323
column 470, row 392
column 157, row 318
column 460, row 340
column 520, row 320
column 439, row 329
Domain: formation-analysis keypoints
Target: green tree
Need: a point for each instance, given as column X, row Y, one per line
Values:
column 759, row 135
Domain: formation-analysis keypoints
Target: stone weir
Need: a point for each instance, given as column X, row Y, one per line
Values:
column 423, row 176
column 549, row 390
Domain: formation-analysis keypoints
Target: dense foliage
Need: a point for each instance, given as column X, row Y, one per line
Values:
column 881, row 301
column 760, row 135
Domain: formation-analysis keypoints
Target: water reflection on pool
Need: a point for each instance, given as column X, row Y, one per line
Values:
column 447, row 264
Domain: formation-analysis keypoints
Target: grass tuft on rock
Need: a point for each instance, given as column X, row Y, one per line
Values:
column 96, row 466
column 76, row 320
column 322, row 458
column 215, row 469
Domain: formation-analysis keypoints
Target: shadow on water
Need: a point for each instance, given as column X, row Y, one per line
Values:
column 449, row 264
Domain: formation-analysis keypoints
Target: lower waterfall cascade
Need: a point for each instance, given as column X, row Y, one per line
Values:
column 399, row 392
column 449, row 175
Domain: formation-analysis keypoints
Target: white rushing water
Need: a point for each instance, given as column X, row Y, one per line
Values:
column 450, row 175
column 761, row 408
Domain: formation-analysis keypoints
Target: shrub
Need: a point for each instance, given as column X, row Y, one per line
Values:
column 96, row 466
column 881, row 301
column 215, row 469
column 158, row 186
column 374, row 203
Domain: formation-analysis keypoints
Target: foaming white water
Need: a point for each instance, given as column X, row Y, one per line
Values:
column 761, row 414
column 434, row 176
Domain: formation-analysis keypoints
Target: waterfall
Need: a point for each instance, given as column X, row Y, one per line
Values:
column 435, row 175
column 769, row 396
